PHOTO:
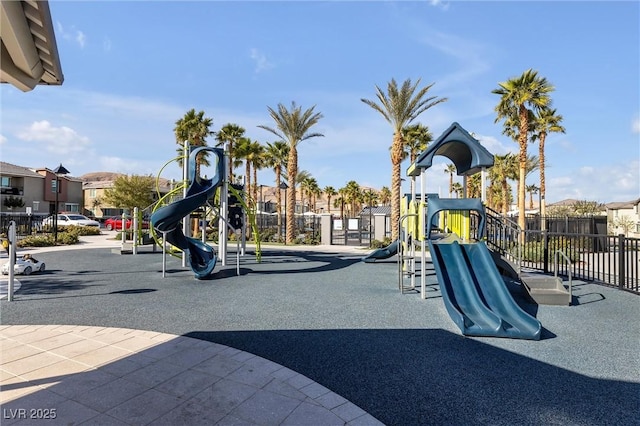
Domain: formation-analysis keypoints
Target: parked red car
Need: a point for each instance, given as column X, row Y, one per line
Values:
column 115, row 222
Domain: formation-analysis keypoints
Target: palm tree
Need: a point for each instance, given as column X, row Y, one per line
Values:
column 385, row 196
column 518, row 96
column 276, row 155
column 474, row 186
column 416, row 140
column 301, row 177
column 352, row 196
column 504, row 168
column 547, row 121
column 531, row 189
column 400, row 106
column 451, row 170
column 194, row 128
column 330, row 192
column 230, row 133
column 292, row 126
column 458, row 188
column 257, row 159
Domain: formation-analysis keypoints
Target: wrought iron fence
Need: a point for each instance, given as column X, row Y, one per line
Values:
column 25, row 224
column 607, row 259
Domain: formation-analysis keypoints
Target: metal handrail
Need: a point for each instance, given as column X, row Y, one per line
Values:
column 508, row 225
column 555, row 268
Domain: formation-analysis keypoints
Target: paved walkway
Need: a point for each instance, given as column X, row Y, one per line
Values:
column 64, row 374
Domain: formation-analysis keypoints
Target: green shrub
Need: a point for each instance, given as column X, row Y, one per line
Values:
column 380, row 244
column 44, row 240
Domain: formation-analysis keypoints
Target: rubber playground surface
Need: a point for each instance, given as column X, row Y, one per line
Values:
column 344, row 324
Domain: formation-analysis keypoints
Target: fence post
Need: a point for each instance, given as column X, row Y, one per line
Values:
column 545, row 251
column 621, row 261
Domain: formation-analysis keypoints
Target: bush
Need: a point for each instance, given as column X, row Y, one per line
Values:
column 46, row 240
column 380, row 244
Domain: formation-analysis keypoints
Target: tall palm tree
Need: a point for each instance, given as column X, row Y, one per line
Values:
column 400, row 106
column 300, row 186
column 385, row 196
column 547, row 121
column 451, row 170
column 416, row 140
column 330, row 192
column 277, row 155
column 353, row 194
column 474, row 186
column 458, row 188
column 194, row 128
column 504, row 168
column 293, row 126
column 519, row 96
column 230, row 133
column 531, row 189
column 242, row 150
column 257, row 158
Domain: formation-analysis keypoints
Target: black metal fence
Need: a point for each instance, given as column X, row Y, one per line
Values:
column 25, row 224
column 607, row 259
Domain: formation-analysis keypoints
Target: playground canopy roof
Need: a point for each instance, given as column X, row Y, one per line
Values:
column 466, row 153
column 29, row 50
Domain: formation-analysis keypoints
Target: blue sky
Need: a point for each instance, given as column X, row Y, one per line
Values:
column 133, row 68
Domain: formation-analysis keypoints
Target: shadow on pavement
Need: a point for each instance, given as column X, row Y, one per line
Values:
column 431, row 376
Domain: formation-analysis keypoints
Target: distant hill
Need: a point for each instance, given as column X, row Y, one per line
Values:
column 99, row 176
column 111, row 176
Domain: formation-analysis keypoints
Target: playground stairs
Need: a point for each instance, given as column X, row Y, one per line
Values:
column 546, row 290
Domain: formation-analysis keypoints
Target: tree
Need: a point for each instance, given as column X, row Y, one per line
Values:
column 504, row 168
column 531, row 189
column 130, row 191
column 400, row 106
column 385, row 196
column 451, row 169
column 625, row 223
column 416, row 140
column 302, row 176
column 293, row 126
column 474, row 186
column 458, row 188
column 519, row 96
column 547, row 121
column 276, row 157
column 256, row 158
column 352, row 196
column 194, row 128
column 230, row 134
column 330, row 192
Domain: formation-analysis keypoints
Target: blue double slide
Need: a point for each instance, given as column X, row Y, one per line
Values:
column 201, row 256
column 475, row 294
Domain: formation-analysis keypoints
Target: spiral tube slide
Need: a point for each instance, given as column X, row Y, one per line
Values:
column 201, row 256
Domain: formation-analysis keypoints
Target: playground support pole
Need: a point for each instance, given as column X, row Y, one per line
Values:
column 423, row 240
column 164, row 254
column 185, row 177
column 134, row 235
column 11, row 236
column 224, row 206
column 483, row 185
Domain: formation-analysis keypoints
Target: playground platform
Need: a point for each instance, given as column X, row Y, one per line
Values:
column 338, row 325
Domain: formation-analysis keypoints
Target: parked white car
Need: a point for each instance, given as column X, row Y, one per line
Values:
column 24, row 266
column 71, row 219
